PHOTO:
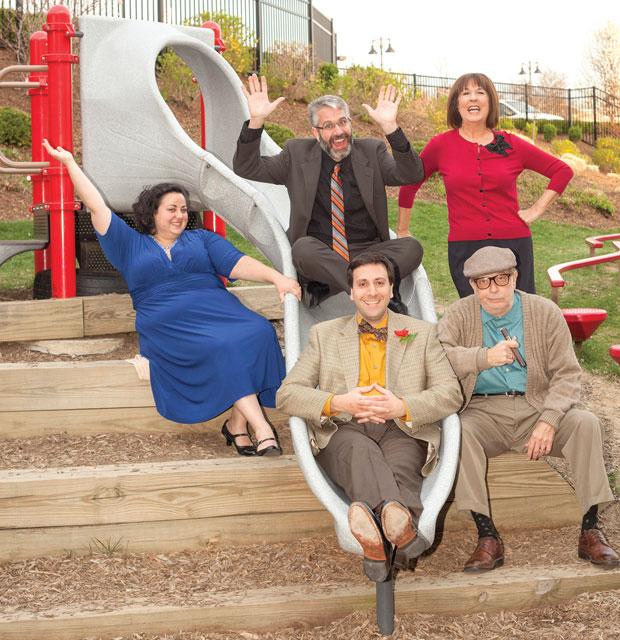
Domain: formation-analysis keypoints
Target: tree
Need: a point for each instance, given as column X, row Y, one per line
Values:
column 604, row 59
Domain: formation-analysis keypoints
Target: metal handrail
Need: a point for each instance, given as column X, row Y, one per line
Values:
column 14, row 164
column 17, row 68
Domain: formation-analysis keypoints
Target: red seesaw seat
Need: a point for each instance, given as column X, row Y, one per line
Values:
column 614, row 352
column 583, row 322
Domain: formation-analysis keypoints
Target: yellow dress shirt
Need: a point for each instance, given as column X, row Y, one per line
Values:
column 372, row 364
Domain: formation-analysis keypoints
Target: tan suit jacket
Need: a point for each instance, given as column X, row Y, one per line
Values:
column 417, row 371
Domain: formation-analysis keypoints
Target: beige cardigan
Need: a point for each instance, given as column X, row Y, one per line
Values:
column 553, row 373
column 416, row 371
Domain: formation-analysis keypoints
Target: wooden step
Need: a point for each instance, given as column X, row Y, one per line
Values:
column 262, row 610
column 179, row 505
column 100, row 315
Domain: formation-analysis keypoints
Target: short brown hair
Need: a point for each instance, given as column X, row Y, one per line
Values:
column 370, row 257
column 484, row 82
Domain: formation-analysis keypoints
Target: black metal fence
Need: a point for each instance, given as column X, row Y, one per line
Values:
column 270, row 21
column 594, row 110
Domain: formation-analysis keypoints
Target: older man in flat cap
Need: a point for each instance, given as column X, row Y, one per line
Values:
column 513, row 354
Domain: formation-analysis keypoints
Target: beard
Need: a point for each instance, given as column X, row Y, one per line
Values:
column 330, row 151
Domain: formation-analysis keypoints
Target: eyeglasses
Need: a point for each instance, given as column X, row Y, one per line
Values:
column 330, row 126
column 501, row 280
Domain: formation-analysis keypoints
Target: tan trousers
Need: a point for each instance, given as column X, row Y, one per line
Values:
column 375, row 462
column 491, row 426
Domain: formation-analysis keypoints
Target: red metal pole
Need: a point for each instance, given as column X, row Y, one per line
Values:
column 40, row 121
column 59, row 60
column 210, row 220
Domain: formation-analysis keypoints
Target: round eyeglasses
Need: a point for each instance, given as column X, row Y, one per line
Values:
column 330, row 126
column 501, row 280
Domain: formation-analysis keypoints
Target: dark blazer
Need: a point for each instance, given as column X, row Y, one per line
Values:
column 298, row 167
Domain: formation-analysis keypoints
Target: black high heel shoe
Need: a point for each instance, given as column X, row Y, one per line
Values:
column 274, row 449
column 244, row 450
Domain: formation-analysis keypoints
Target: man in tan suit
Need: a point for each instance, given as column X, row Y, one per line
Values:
column 371, row 387
column 513, row 354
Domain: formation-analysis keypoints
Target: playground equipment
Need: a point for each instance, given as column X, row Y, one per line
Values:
column 614, row 352
column 131, row 138
column 583, row 322
column 555, row 272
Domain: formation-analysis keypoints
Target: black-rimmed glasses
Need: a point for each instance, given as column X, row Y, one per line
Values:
column 330, row 126
column 501, row 280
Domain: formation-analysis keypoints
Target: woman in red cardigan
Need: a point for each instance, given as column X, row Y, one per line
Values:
column 480, row 167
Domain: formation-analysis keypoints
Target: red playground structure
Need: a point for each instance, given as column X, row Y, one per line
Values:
column 50, row 87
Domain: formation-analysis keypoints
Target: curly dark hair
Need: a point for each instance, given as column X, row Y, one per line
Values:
column 148, row 201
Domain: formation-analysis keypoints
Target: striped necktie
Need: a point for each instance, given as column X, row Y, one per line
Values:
column 339, row 237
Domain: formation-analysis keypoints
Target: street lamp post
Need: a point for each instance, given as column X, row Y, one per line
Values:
column 529, row 70
column 528, row 83
column 373, row 51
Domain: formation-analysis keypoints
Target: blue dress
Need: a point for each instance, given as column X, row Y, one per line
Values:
column 206, row 350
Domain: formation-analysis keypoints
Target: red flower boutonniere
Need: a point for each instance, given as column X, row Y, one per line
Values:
column 404, row 335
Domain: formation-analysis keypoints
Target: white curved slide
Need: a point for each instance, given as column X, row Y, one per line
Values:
column 131, row 139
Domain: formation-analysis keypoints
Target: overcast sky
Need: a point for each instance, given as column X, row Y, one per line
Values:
column 437, row 37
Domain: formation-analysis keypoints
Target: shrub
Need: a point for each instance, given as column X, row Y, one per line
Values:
column 361, row 85
column 531, row 130
column 328, row 77
column 175, row 78
column 549, row 132
column 239, row 40
column 607, row 155
column 278, row 133
column 14, row 127
column 288, row 69
column 566, row 146
column 577, row 198
column 609, row 143
column 607, row 160
column 519, row 124
column 418, row 145
column 575, row 133
column 507, row 124
column 436, row 113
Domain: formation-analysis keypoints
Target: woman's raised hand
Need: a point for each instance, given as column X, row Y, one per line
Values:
column 258, row 100
column 60, row 154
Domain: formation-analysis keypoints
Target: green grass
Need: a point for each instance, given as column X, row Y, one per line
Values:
column 553, row 243
column 18, row 272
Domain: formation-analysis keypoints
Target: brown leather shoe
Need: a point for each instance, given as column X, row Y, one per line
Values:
column 365, row 529
column 489, row 553
column 397, row 524
column 594, row 547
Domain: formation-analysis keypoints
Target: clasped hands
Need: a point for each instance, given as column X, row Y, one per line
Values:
column 376, row 408
column 260, row 107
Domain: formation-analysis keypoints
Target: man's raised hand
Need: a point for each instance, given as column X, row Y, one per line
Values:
column 258, row 101
column 384, row 114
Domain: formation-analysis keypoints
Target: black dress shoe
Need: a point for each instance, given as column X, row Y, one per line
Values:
column 274, row 449
column 398, row 306
column 367, row 531
column 313, row 293
column 243, row 450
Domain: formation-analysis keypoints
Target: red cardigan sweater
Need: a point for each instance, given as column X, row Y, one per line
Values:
column 481, row 186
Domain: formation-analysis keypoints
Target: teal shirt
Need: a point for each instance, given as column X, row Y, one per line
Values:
column 508, row 377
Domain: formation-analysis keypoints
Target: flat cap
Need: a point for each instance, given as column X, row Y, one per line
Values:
column 489, row 260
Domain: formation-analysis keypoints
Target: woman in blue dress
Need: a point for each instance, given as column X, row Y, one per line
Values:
column 206, row 351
